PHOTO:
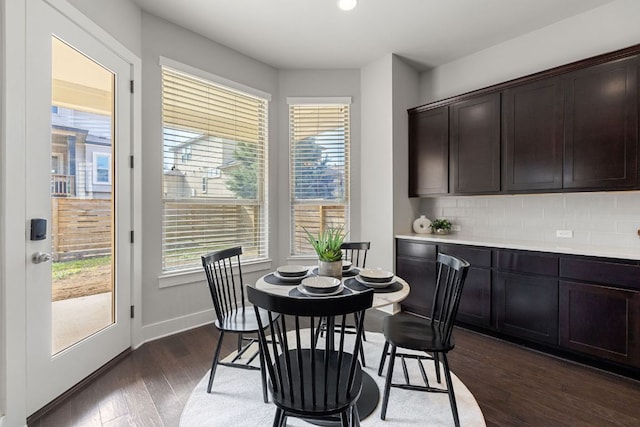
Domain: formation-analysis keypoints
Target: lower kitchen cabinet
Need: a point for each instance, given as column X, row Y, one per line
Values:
column 527, row 306
column 576, row 306
column 600, row 321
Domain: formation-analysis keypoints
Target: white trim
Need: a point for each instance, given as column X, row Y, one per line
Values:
column 333, row 100
column 179, row 66
column 173, row 326
column 196, row 275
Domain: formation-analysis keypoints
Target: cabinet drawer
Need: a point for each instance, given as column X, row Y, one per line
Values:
column 477, row 257
column 416, row 249
column 604, row 273
column 527, row 262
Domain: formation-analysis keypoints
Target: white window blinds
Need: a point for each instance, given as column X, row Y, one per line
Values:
column 214, row 170
column 319, row 169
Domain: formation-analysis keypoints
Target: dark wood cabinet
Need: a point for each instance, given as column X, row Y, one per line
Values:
column 601, row 126
column 475, row 145
column 532, row 138
column 527, row 306
column 601, row 321
column 416, row 263
column 429, row 152
column 475, row 303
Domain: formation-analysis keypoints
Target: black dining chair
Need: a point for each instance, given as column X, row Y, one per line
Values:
column 233, row 314
column 431, row 336
column 307, row 379
column 356, row 253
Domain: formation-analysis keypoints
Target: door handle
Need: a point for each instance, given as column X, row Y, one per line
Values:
column 39, row 257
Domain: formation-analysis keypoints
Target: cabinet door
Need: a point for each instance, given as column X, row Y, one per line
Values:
column 475, row 145
column 601, row 321
column 475, row 303
column 527, row 306
column 532, row 120
column 429, row 152
column 601, row 126
column 420, row 274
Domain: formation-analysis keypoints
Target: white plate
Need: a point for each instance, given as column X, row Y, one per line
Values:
column 375, row 284
column 292, row 271
column 290, row 279
column 313, row 294
column 378, row 275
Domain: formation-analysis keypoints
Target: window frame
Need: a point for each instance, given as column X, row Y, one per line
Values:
column 347, row 148
column 171, row 276
column 96, row 155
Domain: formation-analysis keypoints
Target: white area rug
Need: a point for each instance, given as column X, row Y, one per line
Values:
column 236, row 398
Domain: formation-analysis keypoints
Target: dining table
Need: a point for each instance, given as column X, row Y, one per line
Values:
column 393, row 293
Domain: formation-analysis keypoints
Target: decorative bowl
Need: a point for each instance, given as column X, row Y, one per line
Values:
column 375, row 275
column 292, row 270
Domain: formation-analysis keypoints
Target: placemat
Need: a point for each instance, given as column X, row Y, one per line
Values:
column 273, row 280
column 354, row 285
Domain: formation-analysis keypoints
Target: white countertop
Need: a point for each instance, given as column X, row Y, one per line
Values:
column 528, row 245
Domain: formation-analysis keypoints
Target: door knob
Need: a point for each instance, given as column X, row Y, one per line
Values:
column 39, row 257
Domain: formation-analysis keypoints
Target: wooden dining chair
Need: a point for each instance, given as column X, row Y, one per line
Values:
column 431, row 336
column 308, row 379
column 356, row 253
column 233, row 315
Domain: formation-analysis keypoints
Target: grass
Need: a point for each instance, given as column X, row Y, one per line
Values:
column 64, row 269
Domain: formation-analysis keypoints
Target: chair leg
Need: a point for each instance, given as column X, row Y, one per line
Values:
column 263, row 374
column 355, row 416
column 387, row 384
column 383, row 357
column 239, row 342
column 214, row 364
column 452, row 396
column 278, row 418
column 436, row 362
column 344, row 419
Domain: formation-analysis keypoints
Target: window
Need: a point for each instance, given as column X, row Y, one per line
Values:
column 101, row 168
column 214, row 179
column 319, row 167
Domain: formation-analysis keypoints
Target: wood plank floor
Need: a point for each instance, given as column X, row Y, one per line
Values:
column 514, row 386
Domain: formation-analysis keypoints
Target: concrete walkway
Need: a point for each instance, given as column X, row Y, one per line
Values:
column 77, row 318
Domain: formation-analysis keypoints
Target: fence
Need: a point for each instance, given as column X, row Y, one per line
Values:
column 81, row 228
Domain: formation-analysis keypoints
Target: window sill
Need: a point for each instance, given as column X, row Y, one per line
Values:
column 196, row 275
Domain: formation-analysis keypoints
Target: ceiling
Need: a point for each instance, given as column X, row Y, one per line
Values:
column 315, row 34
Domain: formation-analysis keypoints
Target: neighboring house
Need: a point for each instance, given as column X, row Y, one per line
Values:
column 80, row 154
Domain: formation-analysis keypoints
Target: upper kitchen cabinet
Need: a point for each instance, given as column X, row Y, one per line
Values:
column 429, row 152
column 532, row 120
column 601, row 126
column 475, row 145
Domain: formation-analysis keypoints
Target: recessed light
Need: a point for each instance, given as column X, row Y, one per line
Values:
column 347, row 4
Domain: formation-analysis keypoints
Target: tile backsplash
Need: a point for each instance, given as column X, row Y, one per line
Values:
column 598, row 219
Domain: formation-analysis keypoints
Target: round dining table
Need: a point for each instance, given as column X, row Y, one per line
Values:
column 394, row 293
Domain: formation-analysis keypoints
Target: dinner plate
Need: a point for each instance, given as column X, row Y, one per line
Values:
column 290, row 279
column 320, row 284
column 303, row 290
column 379, row 285
column 376, row 276
column 292, row 271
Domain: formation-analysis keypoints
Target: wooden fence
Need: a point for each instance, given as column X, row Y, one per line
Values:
column 81, row 228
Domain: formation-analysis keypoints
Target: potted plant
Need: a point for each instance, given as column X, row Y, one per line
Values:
column 327, row 245
column 440, row 226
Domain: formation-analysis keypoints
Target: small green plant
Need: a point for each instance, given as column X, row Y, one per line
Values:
column 440, row 224
column 327, row 243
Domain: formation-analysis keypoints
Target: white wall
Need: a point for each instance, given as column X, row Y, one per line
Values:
column 604, row 219
column 604, row 29
column 315, row 83
column 169, row 309
column 377, row 161
column 405, row 96
column 121, row 19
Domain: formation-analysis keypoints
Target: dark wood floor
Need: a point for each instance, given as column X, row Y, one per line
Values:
column 514, row 386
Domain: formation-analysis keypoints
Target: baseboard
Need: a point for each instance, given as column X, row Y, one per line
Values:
column 168, row 327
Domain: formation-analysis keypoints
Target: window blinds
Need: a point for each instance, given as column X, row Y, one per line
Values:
column 319, row 170
column 214, row 170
